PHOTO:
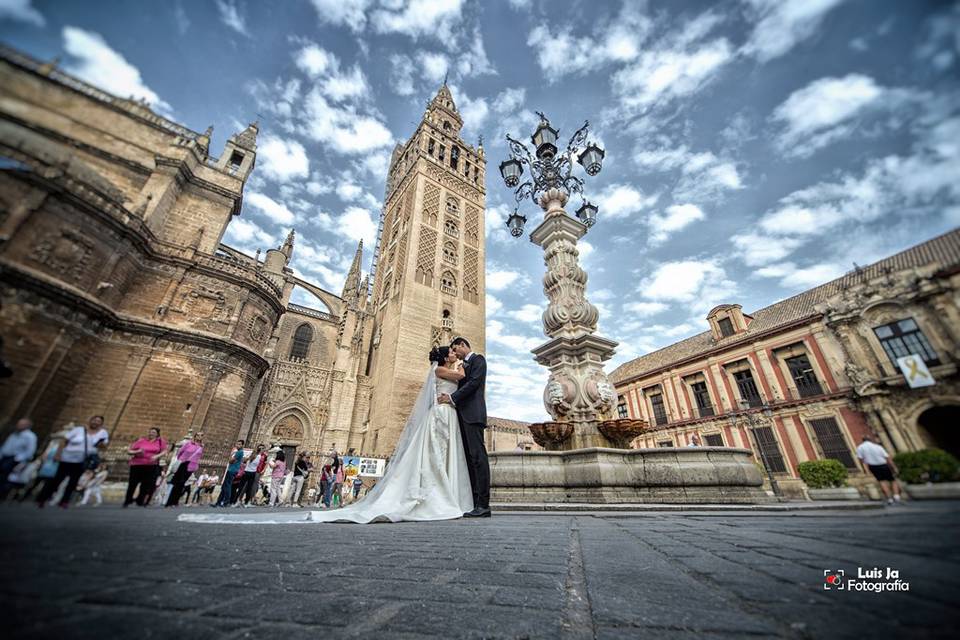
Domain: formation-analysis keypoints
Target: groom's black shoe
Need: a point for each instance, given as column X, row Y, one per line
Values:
column 478, row 513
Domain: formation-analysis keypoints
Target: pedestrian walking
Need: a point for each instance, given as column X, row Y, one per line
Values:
column 189, row 461
column 18, row 449
column 46, row 469
column 301, row 469
column 278, row 469
column 233, row 467
column 338, row 476
column 878, row 462
column 145, row 454
column 357, row 485
column 254, row 465
column 327, row 482
column 80, row 451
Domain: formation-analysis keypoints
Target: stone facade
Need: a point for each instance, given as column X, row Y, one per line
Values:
column 823, row 361
column 119, row 298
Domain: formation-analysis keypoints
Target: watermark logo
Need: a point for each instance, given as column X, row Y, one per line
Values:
column 832, row 579
column 867, row 579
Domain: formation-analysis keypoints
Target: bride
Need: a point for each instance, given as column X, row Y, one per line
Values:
column 427, row 478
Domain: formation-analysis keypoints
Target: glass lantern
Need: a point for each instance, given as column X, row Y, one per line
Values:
column 592, row 159
column 515, row 223
column 511, row 170
column 545, row 139
column 587, row 213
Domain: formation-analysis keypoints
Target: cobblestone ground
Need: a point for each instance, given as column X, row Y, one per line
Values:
column 112, row 573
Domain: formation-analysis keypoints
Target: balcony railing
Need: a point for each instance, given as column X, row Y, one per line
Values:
column 807, row 388
column 446, row 289
column 446, row 323
column 706, row 411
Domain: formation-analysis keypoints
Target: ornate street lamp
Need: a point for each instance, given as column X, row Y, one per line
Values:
column 753, row 422
column 587, row 213
column 515, row 222
column 550, row 169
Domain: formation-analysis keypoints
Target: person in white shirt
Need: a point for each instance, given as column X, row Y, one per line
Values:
column 694, row 441
column 18, row 449
column 876, row 459
column 81, row 449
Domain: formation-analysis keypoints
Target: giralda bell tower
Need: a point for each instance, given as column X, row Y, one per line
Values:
column 429, row 262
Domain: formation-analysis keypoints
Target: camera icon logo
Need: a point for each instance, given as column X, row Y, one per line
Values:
column 833, row 579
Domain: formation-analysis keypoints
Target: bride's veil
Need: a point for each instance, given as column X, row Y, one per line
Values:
column 417, row 419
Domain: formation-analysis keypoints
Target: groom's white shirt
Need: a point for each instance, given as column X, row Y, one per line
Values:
column 465, row 360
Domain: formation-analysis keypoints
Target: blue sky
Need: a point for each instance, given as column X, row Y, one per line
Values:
column 754, row 148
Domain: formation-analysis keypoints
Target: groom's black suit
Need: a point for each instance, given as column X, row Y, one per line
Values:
column 472, row 413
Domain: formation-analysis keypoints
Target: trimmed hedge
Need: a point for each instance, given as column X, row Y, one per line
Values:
column 928, row 465
column 823, row 474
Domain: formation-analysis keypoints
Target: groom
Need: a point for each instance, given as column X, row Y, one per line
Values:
column 471, row 407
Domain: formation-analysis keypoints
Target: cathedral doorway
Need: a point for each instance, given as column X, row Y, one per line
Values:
column 942, row 426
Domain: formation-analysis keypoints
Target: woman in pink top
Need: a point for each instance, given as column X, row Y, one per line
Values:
column 189, row 459
column 279, row 470
column 144, row 467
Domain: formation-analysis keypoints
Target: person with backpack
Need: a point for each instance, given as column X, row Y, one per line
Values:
column 81, row 451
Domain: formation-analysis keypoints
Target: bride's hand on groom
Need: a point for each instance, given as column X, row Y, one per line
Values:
column 443, row 398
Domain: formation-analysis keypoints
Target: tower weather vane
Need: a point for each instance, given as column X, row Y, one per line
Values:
column 550, row 170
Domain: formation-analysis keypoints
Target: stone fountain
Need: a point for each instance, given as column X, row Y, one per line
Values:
column 587, row 457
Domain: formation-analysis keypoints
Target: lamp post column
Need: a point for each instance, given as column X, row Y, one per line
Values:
column 577, row 391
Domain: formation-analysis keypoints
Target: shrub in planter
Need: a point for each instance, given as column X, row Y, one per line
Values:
column 928, row 465
column 823, row 474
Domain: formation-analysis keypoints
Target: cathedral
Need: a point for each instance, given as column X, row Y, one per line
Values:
column 119, row 298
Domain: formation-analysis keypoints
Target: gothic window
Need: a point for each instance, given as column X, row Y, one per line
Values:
column 448, row 283
column 803, row 376
column 450, row 253
column 430, row 145
column 903, row 338
column 424, row 276
column 466, row 167
column 453, row 207
column 446, row 321
column 454, row 157
column 385, row 294
column 446, row 127
column 442, row 154
column 450, row 227
column 302, row 338
column 726, row 327
column 236, row 159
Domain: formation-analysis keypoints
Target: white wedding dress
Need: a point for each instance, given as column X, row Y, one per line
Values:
column 426, row 479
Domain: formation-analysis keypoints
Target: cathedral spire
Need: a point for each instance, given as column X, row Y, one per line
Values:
column 352, row 285
column 287, row 248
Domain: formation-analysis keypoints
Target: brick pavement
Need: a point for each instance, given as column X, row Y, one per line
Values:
column 111, row 573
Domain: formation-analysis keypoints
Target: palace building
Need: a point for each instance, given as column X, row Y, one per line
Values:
column 119, row 297
column 824, row 363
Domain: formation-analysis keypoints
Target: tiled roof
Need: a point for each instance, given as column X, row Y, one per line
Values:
column 503, row 423
column 943, row 250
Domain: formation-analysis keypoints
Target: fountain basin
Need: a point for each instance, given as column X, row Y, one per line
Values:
column 690, row 475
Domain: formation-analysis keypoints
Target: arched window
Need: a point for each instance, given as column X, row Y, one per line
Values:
column 446, row 125
column 450, row 253
column 453, row 206
column 450, row 226
column 454, row 157
column 448, row 283
column 302, row 338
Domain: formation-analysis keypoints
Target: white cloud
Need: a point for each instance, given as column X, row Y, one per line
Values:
column 560, row 53
column 514, row 384
column 498, row 333
column 500, row 279
column 433, row 65
column 247, row 235
column 618, row 201
column 357, row 224
column 474, row 112
column 21, row 10
column 315, row 61
column 474, row 61
column 415, row 18
column 401, row 74
column 100, row 65
column 350, row 84
column 529, row 313
column 644, row 309
column 349, row 13
column 756, row 249
column 276, row 211
column 283, row 160
column 349, row 191
column 800, row 278
column 493, row 305
column 230, row 15
column 674, row 219
column 343, row 128
column 781, row 24
column 703, row 176
column 816, row 115
column 662, row 75
column 702, row 282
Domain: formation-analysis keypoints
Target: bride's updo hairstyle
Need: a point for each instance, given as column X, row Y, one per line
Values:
column 439, row 354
